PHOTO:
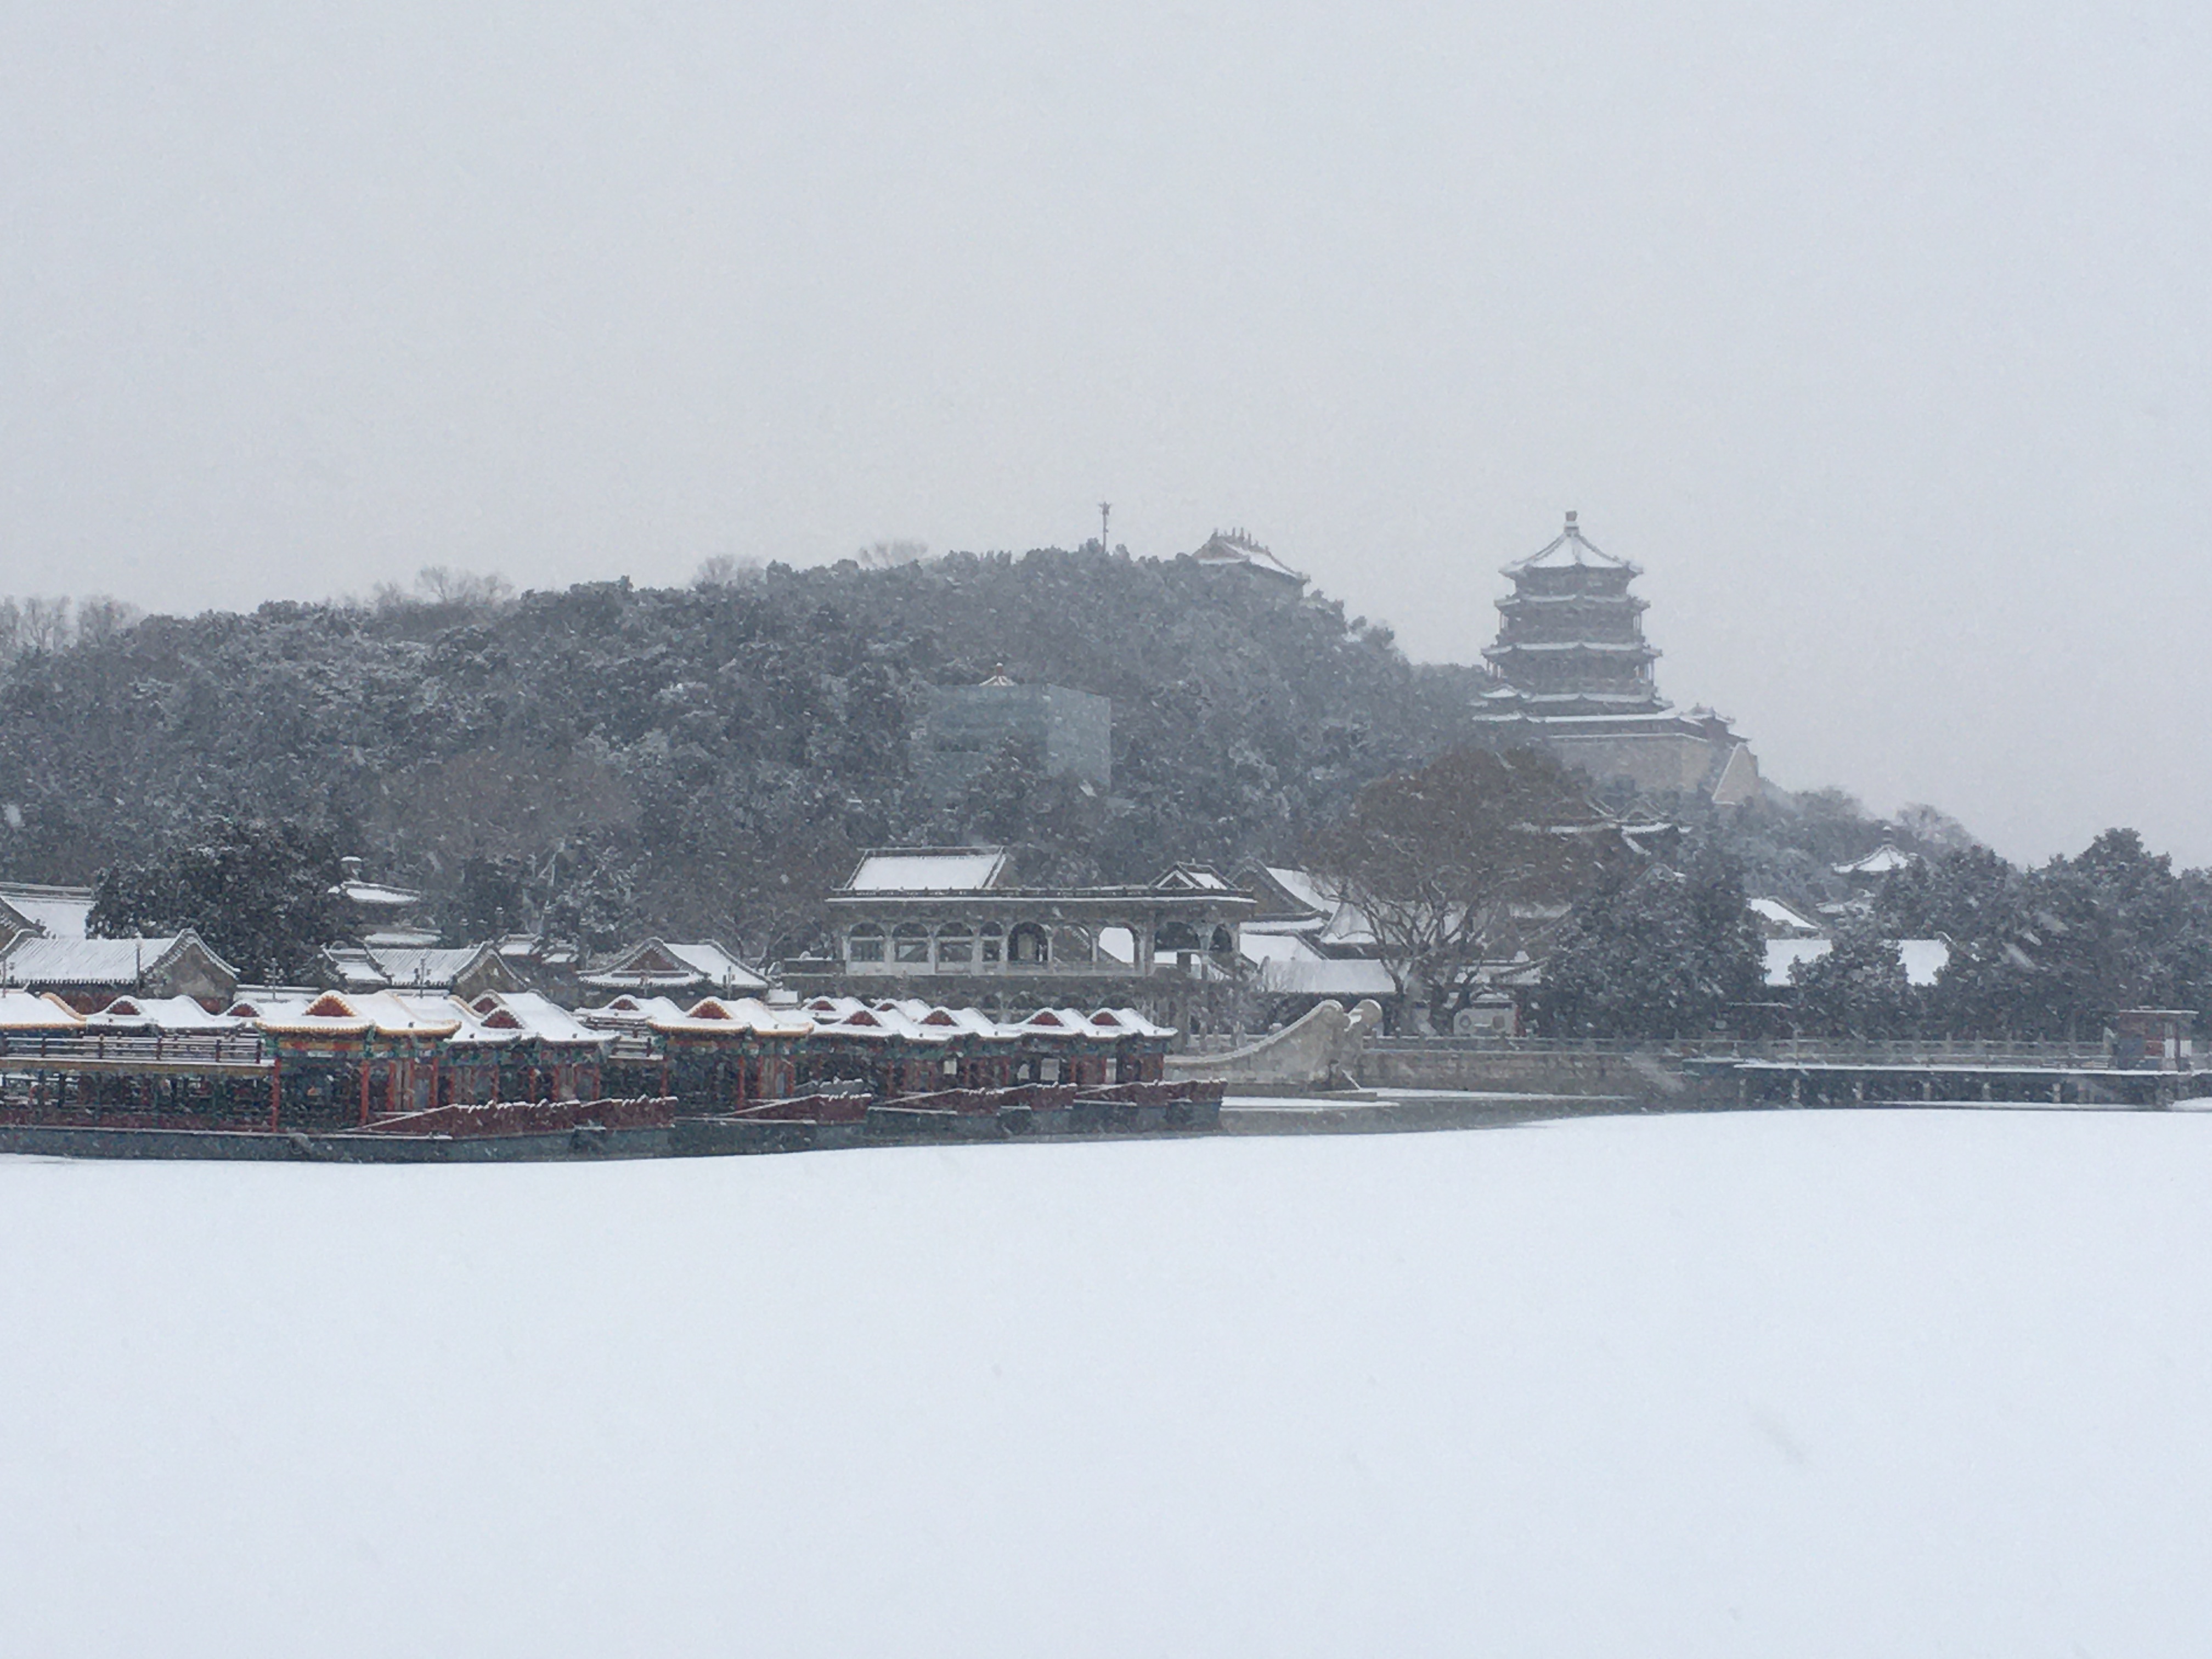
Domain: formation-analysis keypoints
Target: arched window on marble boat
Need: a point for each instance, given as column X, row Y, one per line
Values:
column 910, row 942
column 1175, row 937
column 956, row 945
column 990, row 942
column 1027, row 946
column 864, row 943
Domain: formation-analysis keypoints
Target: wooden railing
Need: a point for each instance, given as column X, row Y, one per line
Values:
column 143, row 1050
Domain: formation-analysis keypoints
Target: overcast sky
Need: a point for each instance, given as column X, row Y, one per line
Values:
column 1876, row 332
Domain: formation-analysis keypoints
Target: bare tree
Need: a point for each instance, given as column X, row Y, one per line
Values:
column 726, row 570
column 100, row 619
column 1452, row 864
column 886, row 556
column 463, row 589
column 42, row 625
column 440, row 587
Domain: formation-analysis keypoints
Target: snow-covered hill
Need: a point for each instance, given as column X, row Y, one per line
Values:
column 1760, row 1384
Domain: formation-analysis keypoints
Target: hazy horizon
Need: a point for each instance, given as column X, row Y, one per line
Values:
column 1875, row 334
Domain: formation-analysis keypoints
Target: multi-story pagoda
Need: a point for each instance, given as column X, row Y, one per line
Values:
column 1575, row 675
column 1571, row 640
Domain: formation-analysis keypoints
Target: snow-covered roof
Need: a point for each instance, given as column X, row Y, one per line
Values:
column 159, row 1014
column 1775, row 913
column 1568, row 548
column 657, row 964
column 1303, row 886
column 396, row 1014
column 37, row 960
column 972, row 1021
column 733, row 1016
column 930, row 870
column 36, row 1011
column 630, row 1012
column 1882, row 861
column 58, row 912
column 1126, row 1022
column 1923, row 959
column 1290, row 965
column 330, row 1014
column 473, row 1032
column 336, row 1013
column 1783, row 954
column 376, row 895
column 533, row 1016
column 406, row 967
column 1199, row 878
column 1237, row 547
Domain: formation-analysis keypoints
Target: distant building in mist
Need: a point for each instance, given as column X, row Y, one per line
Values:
column 1064, row 732
column 1237, row 553
column 1575, row 673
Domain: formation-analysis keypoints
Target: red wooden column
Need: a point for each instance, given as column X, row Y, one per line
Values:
column 364, row 1089
column 275, row 1090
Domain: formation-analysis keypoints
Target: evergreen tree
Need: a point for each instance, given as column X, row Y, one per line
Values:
column 261, row 894
column 1656, row 952
column 1857, row 990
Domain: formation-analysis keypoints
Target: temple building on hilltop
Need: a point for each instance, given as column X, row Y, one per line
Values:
column 1575, row 677
column 1238, row 552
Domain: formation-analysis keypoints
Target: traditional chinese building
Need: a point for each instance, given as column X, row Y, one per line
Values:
column 911, row 914
column 1237, row 554
column 88, row 974
column 1576, row 677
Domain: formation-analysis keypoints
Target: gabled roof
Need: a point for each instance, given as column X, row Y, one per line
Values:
column 161, row 1014
column 35, row 960
column 1195, row 877
column 1882, row 861
column 330, row 1014
column 412, row 967
column 736, row 1016
column 1568, row 549
column 929, row 870
column 656, row 964
column 534, row 1016
column 972, row 1021
column 57, row 912
column 1126, row 1022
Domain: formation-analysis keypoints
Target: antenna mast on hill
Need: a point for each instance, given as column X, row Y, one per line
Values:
column 1105, row 512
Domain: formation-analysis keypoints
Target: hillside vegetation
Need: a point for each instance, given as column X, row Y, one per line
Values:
column 609, row 758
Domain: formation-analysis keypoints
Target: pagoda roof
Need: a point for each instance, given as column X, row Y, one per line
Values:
column 1570, row 550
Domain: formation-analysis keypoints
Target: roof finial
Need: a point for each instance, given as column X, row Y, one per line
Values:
column 1571, row 531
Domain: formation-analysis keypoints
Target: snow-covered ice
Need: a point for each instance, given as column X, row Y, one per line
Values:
column 1770, row 1385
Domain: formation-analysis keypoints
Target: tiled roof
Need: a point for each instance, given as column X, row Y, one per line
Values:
column 122, row 962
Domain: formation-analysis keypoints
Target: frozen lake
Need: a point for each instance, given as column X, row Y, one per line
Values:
column 1766, row 1384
